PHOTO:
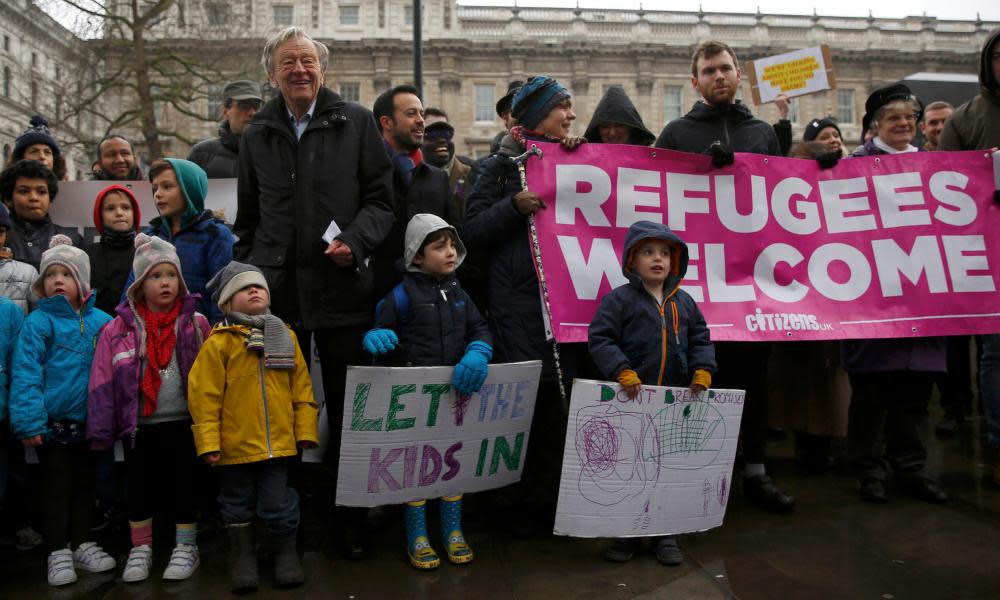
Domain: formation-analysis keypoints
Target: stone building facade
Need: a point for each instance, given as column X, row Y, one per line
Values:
column 471, row 52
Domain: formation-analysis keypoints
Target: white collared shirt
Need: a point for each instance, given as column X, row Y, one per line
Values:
column 299, row 125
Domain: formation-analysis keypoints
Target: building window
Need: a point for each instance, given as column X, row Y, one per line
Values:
column 34, row 96
column 408, row 14
column 284, row 14
column 845, row 106
column 485, row 102
column 155, row 93
column 6, row 82
column 34, row 59
column 215, row 100
column 350, row 92
column 672, row 102
column 350, row 15
column 217, row 13
column 6, row 43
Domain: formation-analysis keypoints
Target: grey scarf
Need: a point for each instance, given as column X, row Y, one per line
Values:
column 268, row 334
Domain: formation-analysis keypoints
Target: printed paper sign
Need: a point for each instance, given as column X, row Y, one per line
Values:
column 877, row 247
column 407, row 436
column 793, row 74
column 658, row 464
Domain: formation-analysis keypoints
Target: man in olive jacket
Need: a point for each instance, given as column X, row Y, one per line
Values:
column 309, row 161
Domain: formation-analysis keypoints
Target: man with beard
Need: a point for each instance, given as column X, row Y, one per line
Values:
column 418, row 186
column 117, row 160
column 720, row 125
column 240, row 102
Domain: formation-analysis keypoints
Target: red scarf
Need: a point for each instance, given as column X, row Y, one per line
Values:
column 160, row 342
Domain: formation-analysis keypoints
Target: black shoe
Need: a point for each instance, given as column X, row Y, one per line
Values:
column 667, row 552
column 761, row 491
column 924, row 489
column 950, row 426
column 873, row 490
column 621, row 550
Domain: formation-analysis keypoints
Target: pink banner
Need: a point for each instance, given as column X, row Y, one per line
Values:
column 889, row 246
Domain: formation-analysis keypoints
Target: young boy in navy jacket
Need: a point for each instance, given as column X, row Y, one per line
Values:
column 429, row 320
column 655, row 261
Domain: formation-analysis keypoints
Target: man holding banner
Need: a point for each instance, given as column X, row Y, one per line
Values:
column 720, row 126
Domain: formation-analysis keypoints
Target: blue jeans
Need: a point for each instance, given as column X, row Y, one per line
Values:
column 989, row 385
column 261, row 488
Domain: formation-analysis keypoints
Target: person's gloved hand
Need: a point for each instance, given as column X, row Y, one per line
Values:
column 721, row 155
column 380, row 341
column 471, row 371
column 630, row 381
column 828, row 160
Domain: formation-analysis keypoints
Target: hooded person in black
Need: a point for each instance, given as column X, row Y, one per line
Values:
column 615, row 108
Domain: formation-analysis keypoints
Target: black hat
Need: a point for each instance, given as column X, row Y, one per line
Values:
column 438, row 125
column 36, row 133
column 883, row 96
column 503, row 104
column 817, row 125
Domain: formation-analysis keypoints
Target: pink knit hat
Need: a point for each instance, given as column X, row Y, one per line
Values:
column 62, row 252
column 149, row 252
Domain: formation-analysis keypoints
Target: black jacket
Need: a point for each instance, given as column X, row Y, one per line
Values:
column 217, row 156
column 28, row 240
column 731, row 124
column 428, row 192
column 616, row 107
column 495, row 230
column 439, row 324
column 110, row 265
column 288, row 192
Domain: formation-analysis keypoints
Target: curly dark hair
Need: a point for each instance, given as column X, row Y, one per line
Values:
column 27, row 169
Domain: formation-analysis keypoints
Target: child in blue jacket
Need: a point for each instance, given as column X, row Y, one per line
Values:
column 429, row 320
column 654, row 261
column 48, row 405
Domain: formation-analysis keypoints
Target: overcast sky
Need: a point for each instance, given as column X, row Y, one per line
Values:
column 942, row 9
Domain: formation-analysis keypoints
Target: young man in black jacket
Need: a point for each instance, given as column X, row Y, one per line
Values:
column 720, row 125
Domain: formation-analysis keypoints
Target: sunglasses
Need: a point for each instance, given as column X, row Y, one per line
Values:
column 439, row 134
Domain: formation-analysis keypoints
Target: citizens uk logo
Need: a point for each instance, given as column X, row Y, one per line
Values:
column 762, row 321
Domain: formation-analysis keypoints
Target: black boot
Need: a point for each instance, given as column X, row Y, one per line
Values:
column 242, row 559
column 287, row 568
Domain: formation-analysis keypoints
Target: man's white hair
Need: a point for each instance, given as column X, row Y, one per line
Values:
column 267, row 59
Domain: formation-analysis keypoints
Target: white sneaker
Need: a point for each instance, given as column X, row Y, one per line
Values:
column 183, row 561
column 61, row 571
column 140, row 559
column 92, row 558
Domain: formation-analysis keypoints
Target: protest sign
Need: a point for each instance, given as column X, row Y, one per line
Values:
column 657, row 464
column 408, row 436
column 889, row 246
column 796, row 73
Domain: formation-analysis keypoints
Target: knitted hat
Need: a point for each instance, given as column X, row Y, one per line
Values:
column 5, row 223
column 536, row 98
column 232, row 278
column 99, row 206
column 149, row 252
column 817, row 125
column 503, row 104
column 883, row 96
column 36, row 133
column 62, row 252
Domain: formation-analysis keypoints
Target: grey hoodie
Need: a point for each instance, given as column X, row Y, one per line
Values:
column 417, row 230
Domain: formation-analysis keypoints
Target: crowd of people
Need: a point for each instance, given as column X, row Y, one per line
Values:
column 361, row 234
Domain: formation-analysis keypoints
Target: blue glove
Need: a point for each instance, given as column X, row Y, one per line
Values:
column 470, row 372
column 380, row 341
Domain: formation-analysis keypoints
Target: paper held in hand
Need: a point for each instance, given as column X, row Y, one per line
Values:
column 795, row 73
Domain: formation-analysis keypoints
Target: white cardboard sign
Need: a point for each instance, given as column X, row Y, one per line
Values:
column 795, row 73
column 655, row 465
column 406, row 435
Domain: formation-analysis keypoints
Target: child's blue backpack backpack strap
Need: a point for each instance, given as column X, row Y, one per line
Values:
column 401, row 300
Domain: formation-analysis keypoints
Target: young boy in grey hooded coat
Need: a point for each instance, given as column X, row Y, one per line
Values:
column 429, row 320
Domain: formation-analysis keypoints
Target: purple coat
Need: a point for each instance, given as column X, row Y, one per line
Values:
column 115, row 377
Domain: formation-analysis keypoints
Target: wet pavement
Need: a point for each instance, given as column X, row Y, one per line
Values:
column 832, row 546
